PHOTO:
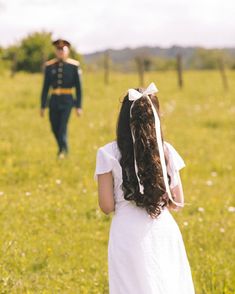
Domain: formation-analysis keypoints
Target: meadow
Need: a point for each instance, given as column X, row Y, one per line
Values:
column 54, row 237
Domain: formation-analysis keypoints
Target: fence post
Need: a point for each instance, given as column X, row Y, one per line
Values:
column 223, row 73
column 140, row 68
column 179, row 70
column 106, row 67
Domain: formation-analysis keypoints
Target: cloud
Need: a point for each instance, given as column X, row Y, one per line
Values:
column 2, row 7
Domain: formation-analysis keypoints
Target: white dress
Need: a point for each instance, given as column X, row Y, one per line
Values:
column 145, row 255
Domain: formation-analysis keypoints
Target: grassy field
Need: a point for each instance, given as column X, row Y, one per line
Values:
column 53, row 236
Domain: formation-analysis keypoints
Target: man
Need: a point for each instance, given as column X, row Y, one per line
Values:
column 61, row 74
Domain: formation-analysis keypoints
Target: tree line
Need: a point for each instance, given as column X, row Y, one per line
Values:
column 32, row 51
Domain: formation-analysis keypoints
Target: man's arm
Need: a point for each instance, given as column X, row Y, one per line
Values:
column 78, row 86
column 45, row 89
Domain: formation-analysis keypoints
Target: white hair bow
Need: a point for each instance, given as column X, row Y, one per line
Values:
column 134, row 95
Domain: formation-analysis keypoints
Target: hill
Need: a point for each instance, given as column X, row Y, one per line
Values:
column 124, row 58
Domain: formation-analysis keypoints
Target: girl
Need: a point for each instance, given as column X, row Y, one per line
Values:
column 138, row 178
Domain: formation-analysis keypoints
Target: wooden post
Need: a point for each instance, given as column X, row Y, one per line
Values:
column 14, row 64
column 106, row 67
column 223, row 73
column 140, row 69
column 179, row 70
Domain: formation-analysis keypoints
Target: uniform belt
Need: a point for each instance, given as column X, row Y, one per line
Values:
column 62, row 91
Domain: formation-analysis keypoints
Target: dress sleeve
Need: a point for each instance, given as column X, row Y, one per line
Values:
column 175, row 163
column 104, row 163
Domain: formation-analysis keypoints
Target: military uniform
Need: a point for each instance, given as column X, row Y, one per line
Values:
column 61, row 76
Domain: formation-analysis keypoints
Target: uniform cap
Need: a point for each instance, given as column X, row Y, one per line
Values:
column 60, row 43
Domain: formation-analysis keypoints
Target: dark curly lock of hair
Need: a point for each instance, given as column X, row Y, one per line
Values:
column 150, row 173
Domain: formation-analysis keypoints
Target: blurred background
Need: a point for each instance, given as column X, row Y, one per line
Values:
column 202, row 32
column 53, row 237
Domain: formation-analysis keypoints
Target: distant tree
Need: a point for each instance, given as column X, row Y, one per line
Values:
column 10, row 52
column 74, row 54
column 33, row 51
column 10, row 56
column 207, row 58
column 162, row 63
column 1, row 59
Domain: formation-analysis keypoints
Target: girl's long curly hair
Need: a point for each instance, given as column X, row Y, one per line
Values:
column 146, row 150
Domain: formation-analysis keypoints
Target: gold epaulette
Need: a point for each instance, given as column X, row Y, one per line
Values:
column 72, row 61
column 50, row 62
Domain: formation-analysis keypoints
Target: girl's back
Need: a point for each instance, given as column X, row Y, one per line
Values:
column 145, row 255
column 138, row 180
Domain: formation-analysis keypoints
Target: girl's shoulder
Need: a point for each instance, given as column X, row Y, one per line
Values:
column 168, row 147
column 110, row 149
column 107, row 158
column 174, row 156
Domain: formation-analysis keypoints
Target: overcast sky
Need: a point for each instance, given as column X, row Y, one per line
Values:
column 98, row 24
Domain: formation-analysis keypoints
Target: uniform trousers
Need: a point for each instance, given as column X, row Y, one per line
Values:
column 60, row 107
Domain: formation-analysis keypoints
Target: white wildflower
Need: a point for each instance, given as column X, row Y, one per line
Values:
column 197, row 107
column 209, row 183
column 231, row 209
column 214, row 173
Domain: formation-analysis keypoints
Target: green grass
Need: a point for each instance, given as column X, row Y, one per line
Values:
column 53, row 236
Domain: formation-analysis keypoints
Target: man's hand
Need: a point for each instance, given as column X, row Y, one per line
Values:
column 78, row 111
column 42, row 112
